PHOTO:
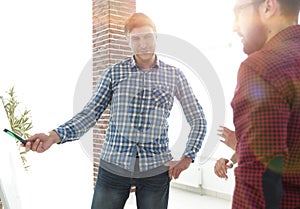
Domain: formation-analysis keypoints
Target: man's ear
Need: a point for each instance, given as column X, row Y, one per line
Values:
column 268, row 9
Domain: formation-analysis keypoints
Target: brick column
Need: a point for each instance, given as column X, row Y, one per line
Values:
column 109, row 47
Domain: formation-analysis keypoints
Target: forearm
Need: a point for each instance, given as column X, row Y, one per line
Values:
column 195, row 138
column 75, row 128
column 54, row 136
column 234, row 158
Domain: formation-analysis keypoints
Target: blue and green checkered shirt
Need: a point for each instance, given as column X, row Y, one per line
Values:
column 140, row 103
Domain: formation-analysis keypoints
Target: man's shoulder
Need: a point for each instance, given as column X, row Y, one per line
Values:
column 125, row 62
column 120, row 66
column 170, row 68
column 274, row 58
column 278, row 53
column 273, row 64
column 163, row 64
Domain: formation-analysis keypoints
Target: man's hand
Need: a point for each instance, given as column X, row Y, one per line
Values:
column 176, row 167
column 42, row 142
column 229, row 137
column 221, row 167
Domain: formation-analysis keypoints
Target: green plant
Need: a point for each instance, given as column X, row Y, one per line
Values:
column 20, row 122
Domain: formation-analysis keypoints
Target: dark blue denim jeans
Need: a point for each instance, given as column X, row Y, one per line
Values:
column 112, row 191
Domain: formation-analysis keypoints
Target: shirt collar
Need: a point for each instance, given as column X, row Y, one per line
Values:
column 134, row 65
column 286, row 34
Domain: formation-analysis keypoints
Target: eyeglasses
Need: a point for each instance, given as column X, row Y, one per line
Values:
column 239, row 7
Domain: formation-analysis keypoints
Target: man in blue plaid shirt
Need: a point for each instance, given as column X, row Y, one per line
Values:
column 140, row 91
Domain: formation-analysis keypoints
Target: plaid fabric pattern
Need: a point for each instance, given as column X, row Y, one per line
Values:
column 266, row 108
column 140, row 103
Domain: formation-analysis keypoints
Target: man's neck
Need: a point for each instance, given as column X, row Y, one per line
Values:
column 146, row 64
column 278, row 25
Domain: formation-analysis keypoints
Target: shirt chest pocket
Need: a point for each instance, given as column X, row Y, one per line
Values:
column 162, row 97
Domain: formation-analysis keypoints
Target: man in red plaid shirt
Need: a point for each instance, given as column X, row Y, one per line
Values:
column 266, row 106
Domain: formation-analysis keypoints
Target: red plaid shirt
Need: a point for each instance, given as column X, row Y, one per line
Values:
column 266, row 108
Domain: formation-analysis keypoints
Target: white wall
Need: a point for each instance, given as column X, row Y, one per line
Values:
column 44, row 47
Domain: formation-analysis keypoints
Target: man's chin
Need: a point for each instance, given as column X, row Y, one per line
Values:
column 145, row 56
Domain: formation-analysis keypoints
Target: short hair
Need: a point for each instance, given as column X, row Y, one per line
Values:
column 289, row 7
column 138, row 20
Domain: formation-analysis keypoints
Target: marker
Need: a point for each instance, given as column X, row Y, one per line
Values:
column 23, row 141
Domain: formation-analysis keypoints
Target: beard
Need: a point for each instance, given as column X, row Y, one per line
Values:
column 256, row 37
column 145, row 57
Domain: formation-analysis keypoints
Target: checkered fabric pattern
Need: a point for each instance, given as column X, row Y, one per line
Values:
column 140, row 103
column 266, row 108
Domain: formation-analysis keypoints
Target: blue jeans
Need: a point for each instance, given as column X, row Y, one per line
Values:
column 112, row 191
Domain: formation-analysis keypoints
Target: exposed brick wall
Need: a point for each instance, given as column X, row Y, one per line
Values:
column 109, row 47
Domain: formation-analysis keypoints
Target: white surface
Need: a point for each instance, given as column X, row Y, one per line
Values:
column 11, row 169
column 60, row 178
